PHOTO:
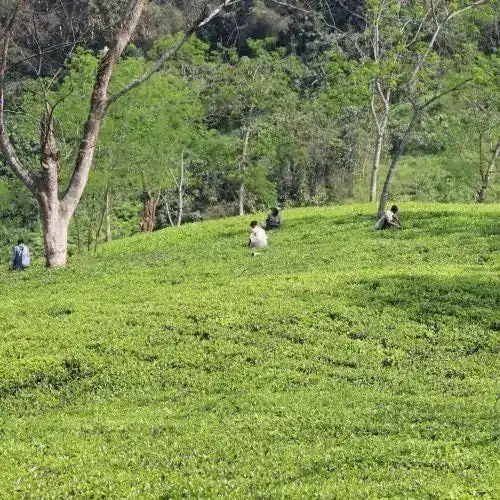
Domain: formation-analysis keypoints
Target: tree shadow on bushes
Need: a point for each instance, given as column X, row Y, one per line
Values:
column 474, row 300
column 448, row 223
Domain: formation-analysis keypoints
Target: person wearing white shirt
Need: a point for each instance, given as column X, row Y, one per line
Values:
column 20, row 257
column 389, row 219
column 258, row 237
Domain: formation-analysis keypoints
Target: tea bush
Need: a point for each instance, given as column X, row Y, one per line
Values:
column 340, row 363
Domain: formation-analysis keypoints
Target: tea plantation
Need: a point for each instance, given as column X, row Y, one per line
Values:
column 340, row 363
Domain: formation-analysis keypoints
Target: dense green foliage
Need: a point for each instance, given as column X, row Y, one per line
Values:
column 340, row 363
column 265, row 105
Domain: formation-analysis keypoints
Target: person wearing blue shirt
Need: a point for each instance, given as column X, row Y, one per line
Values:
column 20, row 256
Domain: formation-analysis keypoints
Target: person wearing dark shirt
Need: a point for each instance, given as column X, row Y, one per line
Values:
column 273, row 220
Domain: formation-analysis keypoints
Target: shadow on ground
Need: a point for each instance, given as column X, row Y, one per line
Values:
column 473, row 299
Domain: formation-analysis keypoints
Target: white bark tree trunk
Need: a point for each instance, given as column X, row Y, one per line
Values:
column 375, row 165
column 55, row 223
column 108, row 216
column 486, row 174
column 243, row 169
column 400, row 149
column 55, row 215
column 241, row 199
column 396, row 156
column 104, row 220
column 181, row 192
column 381, row 127
column 169, row 214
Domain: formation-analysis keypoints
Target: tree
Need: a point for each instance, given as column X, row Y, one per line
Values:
column 481, row 114
column 57, row 208
column 486, row 172
column 385, row 48
column 414, row 64
column 242, row 93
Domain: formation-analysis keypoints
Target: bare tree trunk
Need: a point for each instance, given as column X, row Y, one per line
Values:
column 396, row 156
column 169, row 214
column 363, row 165
column 149, row 215
column 486, row 174
column 381, row 127
column 181, row 192
column 400, row 149
column 54, row 215
column 241, row 199
column 89, row 238
column 148, row 218
column 108, row 216
column 243, row 168
column 55, row 234
column 375, row 165
column 55, row 212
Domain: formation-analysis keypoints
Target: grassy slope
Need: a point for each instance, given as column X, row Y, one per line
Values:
column 342, row 362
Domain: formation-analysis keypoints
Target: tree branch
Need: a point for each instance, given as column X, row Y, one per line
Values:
column 168, row 53
column 43, row 52
column 98, row 105
column 439, row 27
column 290, row 6
column 173, row 178
column 374, row 111
column 5, row 145
column 421, row 25
column 169, row 215
column 442, row 94
column 376, row 34
column 467, row 7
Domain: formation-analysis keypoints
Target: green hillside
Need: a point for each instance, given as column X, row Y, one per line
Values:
column 340, row 363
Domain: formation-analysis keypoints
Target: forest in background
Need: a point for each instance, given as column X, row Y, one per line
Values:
column 268, row 104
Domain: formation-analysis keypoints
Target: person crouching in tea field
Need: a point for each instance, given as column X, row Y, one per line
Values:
column 258, row 237
column 389, row 219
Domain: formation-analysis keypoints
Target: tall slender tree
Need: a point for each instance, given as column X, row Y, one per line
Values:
column 405, row 74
